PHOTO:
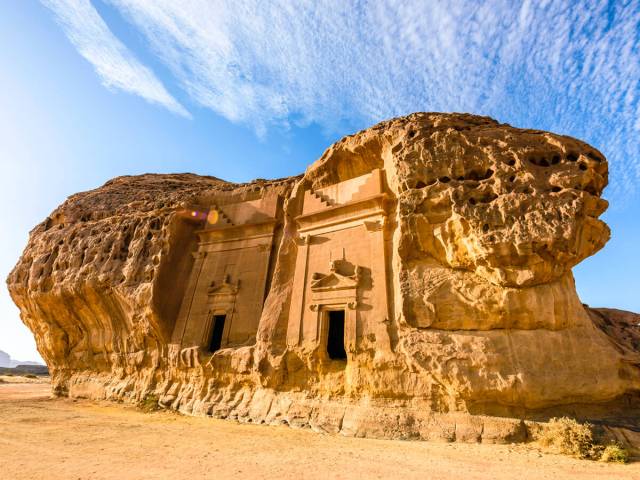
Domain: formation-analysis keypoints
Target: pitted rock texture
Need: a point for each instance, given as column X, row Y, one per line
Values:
column 482, row 225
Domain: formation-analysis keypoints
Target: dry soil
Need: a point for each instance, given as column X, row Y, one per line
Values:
column 41, row 437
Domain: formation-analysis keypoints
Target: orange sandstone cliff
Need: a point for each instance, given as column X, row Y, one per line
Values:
column 415, row 282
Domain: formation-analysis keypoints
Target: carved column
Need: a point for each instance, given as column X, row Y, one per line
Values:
column 376, row 230
column 298, row 300
column 185, row 308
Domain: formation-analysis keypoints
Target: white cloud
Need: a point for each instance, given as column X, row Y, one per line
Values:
column 114, row 63
column 573, row 68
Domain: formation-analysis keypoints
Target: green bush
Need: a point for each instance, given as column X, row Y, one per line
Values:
column 30, row 375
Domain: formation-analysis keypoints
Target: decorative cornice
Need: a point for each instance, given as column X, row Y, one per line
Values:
column 373, row 207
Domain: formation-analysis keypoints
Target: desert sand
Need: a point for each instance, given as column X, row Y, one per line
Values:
column 61, row 438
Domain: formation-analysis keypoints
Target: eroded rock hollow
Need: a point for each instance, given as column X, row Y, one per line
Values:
column 415, row 282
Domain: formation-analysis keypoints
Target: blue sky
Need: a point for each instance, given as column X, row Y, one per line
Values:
column 90, row 90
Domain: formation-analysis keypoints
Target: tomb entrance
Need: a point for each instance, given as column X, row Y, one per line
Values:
column 227, row 286
column 340, row 280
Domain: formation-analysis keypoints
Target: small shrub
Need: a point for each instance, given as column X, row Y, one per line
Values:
column 567, row 436
column 149, row 403
column 31, row 375
column 614, row 453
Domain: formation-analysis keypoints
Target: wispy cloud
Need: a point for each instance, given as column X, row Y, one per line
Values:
column 114, row 63
column 569, row 67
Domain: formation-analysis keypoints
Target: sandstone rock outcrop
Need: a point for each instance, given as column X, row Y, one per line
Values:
column 415, row 282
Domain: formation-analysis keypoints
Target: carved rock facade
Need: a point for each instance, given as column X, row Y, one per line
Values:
column 415, row 282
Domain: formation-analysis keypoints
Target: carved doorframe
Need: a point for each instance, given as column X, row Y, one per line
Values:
column 333, row 292
column 221, row 301
column 322, row 322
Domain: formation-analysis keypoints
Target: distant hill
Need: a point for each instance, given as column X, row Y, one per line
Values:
column 7, row 362
column 5, row 359
column 15, row 363
column 25, row 370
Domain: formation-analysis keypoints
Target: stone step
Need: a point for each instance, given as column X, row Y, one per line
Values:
column 223, row 220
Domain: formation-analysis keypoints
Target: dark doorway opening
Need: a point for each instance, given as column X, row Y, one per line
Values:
column 335, row 335
column 216, row 332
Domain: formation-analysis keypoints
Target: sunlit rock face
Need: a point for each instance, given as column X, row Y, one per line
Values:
column 415, row 282
column 516, row 207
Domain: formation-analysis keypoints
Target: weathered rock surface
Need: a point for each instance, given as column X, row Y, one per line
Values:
column 446, row 241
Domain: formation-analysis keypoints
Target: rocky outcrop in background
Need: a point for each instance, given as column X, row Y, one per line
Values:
column 485, row 331
column 5, row 359
column 7, row 362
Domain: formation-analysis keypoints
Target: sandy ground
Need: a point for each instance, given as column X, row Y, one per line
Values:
column 55, row 439
column 22, row 379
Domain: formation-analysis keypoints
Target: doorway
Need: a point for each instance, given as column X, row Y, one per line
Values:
column 335, row 335
column 216, row 332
